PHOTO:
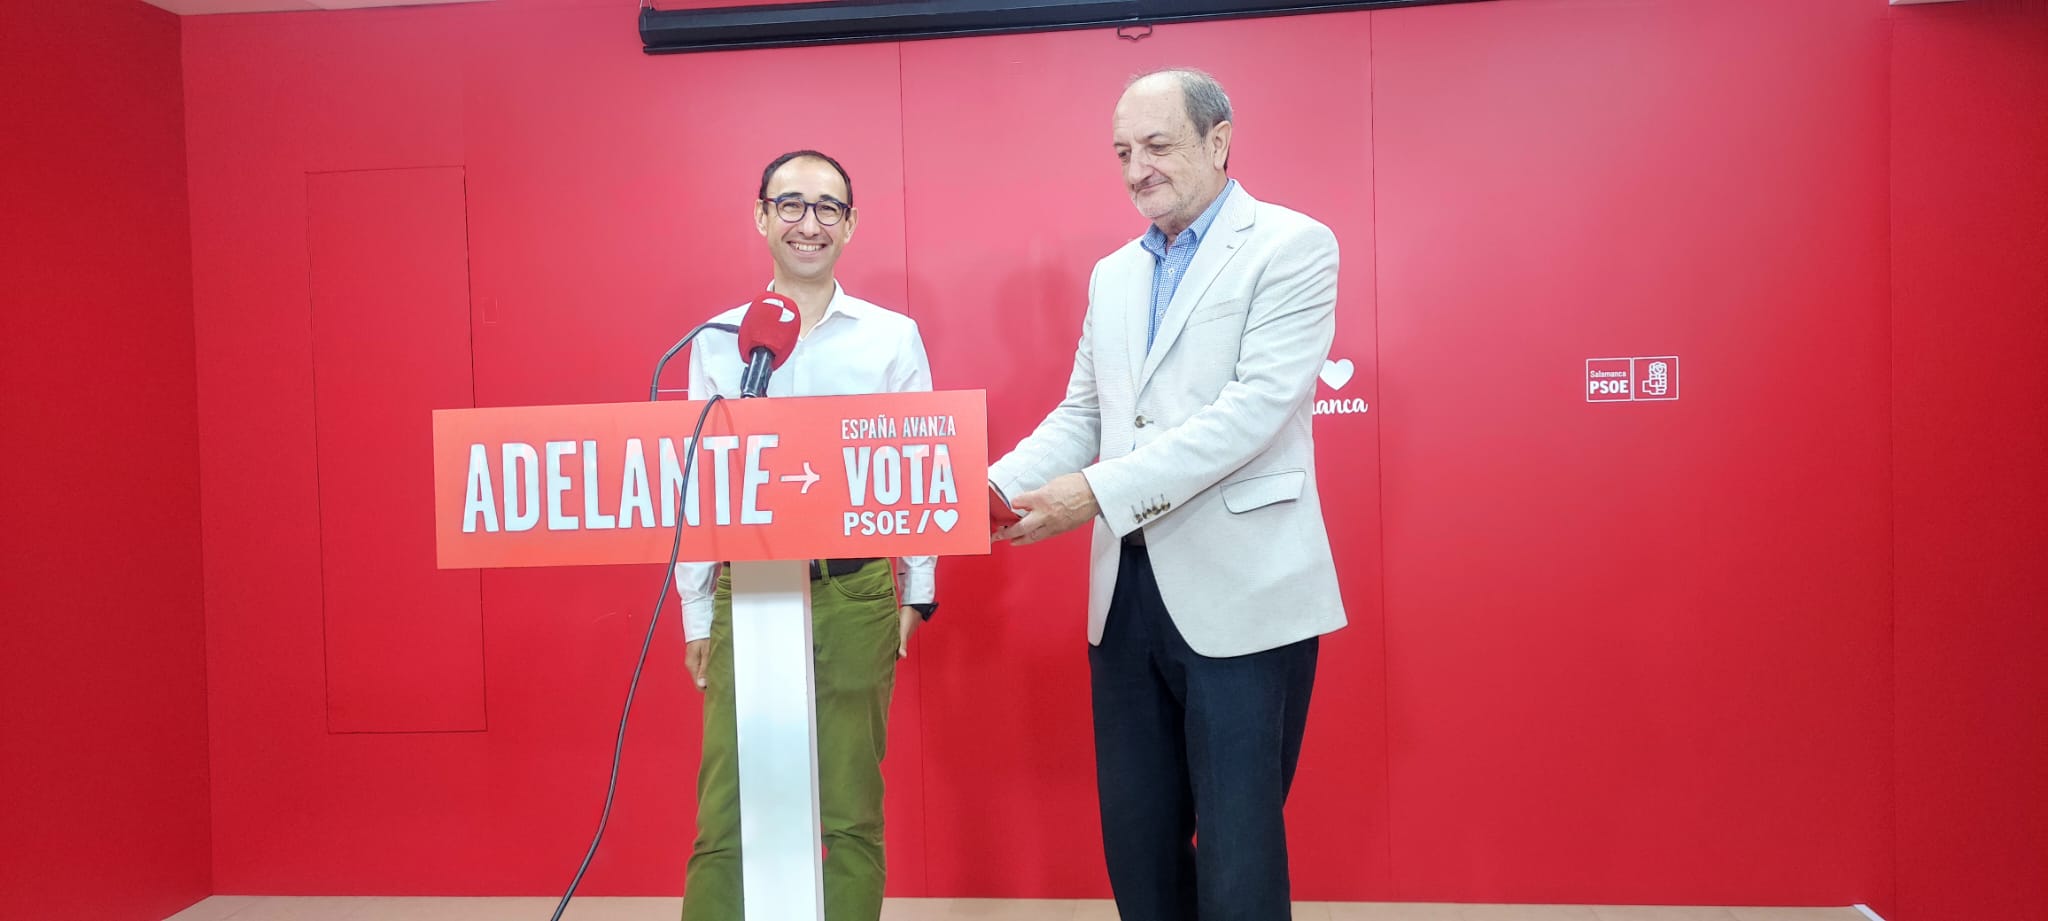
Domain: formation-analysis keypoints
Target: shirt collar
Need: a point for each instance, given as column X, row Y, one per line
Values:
column 1155, row 240
column 841, row 303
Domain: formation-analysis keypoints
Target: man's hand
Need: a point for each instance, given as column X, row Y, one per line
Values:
column 908, row 621
column 1057, row 507
column 697, row 658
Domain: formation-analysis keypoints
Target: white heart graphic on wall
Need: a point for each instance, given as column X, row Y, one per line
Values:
column 1337, row 373
column 946, row 518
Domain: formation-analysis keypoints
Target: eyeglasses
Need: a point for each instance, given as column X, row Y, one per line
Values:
column 792, row 208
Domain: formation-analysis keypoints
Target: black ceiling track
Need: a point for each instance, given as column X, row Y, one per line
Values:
column 786, row 25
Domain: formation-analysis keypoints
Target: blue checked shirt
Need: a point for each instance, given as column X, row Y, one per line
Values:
column 1171, row 260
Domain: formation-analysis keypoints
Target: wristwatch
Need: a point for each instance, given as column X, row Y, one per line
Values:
column 924, row 609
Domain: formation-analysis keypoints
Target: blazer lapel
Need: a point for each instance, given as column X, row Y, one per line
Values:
column 1225, row 236
column 1137, row 294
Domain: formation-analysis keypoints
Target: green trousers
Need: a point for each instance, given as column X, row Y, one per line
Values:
column 854, row 634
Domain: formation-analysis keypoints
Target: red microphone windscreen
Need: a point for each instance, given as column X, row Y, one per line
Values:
column 771, row 323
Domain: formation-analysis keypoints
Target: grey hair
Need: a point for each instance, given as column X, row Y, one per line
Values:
column 1207, row 104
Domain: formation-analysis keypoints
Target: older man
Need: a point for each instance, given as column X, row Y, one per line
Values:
column 1184, row 439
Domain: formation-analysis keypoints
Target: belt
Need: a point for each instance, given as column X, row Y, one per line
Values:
column 839, row 568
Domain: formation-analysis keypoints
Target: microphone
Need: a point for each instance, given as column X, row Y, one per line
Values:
column 654, row 389
column 767, row 335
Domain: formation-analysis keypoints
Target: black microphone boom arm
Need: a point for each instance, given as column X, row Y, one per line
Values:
column 654, row 389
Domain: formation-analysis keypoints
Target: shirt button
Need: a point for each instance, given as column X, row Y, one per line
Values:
column 1141, row 421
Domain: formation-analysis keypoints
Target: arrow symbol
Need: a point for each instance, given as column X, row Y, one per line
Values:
column 807, row 478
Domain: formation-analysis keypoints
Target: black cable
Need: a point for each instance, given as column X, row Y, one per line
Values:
column 675, row 548
column 654, row 389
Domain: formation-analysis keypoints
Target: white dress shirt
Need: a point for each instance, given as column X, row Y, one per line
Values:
column 856, row 347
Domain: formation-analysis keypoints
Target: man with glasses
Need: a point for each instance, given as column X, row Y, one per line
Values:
column 1185, row 443
column 805, row 213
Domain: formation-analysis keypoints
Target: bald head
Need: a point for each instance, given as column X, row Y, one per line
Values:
column 1202, row 96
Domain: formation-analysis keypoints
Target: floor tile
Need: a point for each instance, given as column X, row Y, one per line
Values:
column 1394, row 911
column 1526, row 913
column 1659, row 913
column 216, row 908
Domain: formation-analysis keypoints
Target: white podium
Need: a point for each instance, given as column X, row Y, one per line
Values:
column 782, row 866
column 776, row 483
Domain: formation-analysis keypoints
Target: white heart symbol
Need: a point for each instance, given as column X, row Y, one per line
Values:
column 946, row 518
column 1337, row 373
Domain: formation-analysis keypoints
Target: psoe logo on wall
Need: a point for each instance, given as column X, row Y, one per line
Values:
column 1335, row 375
column 1631, row 380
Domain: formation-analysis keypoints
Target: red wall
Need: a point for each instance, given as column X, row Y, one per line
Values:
column 1607, row 653
column 1970, row 406
column 1636, row 652
column 103, row 770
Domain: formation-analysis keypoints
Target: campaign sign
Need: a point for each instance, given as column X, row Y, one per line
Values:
column 787, row 478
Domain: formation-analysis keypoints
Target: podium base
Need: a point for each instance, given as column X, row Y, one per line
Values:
column 775, row 696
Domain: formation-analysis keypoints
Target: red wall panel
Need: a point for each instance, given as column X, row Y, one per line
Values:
column 297, row 809
column 103, row 761
column 1636, row 652
column 1970, row 391
column 389, row 276
column 608, row 200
